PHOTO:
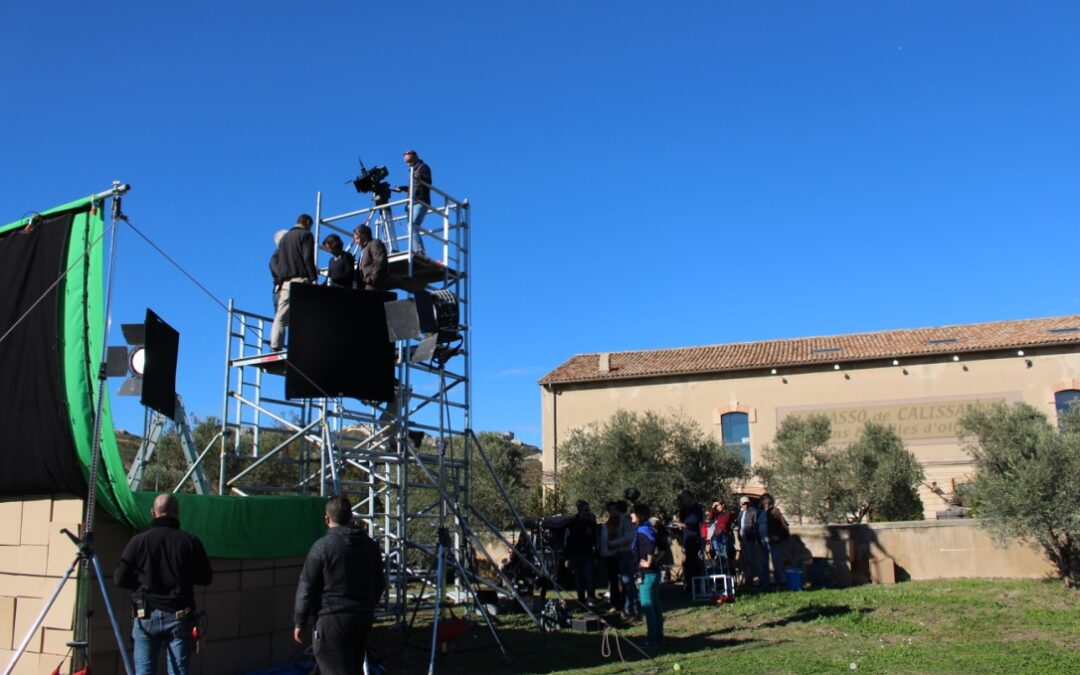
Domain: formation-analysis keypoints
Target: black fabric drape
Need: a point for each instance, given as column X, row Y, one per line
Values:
column 37, row 451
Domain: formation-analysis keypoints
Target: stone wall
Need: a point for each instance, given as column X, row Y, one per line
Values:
column 942, row 549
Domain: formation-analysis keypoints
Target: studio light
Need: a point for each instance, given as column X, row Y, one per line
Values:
column 149, row 363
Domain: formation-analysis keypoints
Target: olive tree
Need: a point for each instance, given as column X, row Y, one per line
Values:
column 1027, row 480
column 658, row 455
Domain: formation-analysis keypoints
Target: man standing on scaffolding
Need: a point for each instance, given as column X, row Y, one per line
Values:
column 421, row 195
column 296, row 265
column 373, row 265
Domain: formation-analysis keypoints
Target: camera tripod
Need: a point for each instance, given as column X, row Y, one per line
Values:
column 86, row 555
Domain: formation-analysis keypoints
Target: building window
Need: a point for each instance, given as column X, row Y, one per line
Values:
column 1063, row 400
column 735, row 431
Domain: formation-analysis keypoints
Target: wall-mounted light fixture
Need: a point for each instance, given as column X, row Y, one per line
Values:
column 836, row 366
column 1019, row 352
column 773, row 371
column 956, row 357
column 896, row 362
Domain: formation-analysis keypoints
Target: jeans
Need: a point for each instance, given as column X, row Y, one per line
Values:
column 650, row 605
column 157, row 629
column 773, row 551
column 583, row 576
column 419, row 211
column 628, row 577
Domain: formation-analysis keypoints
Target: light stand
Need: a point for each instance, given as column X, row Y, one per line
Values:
column 86, row 555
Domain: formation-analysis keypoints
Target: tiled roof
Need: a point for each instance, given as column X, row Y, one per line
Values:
column 890, row 344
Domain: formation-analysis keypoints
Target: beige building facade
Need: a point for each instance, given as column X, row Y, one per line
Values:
column 920, row 381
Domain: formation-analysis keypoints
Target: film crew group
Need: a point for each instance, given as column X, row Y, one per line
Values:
column 293, row 262
column 340, row 584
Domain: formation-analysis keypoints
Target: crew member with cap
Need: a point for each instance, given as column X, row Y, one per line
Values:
column 748, row 540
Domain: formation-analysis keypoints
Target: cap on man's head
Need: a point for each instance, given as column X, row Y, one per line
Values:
column 744, row 500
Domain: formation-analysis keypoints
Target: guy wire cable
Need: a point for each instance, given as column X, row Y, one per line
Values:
column 213, row 297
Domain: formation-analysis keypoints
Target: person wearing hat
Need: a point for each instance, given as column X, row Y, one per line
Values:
column 748, row 540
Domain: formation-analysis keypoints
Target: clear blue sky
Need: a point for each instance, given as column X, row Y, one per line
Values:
column 643, row 174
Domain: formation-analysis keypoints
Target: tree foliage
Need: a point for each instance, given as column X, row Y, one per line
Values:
column 509, row 463
column 874, row 478
column 660, row 456
column 1027, row 479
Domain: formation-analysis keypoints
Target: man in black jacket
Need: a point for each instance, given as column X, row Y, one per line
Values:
column 295, row 264
column 581, row 540
column 340, row 584
column 421, row 195
column 161, row 566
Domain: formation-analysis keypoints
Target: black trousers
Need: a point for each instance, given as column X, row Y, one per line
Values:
column 339, row 642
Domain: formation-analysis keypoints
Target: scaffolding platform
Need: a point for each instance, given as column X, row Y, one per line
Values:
column 424, row 271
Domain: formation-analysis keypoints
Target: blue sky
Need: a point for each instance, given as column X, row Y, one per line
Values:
column 642, row 174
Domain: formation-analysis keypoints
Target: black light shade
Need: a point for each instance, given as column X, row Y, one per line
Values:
column 339, row 344
column 159, row 374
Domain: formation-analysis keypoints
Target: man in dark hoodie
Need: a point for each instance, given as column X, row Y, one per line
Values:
column 160, row 567
column 340, row 584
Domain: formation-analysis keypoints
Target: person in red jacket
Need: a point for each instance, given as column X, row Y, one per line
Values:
column 716, row 533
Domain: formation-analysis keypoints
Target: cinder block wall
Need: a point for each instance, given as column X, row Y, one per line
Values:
column 249, row 605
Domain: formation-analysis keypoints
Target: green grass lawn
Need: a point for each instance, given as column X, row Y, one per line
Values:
column 960, row 626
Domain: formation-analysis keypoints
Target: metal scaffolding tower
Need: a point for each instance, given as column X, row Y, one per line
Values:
column 396, row 461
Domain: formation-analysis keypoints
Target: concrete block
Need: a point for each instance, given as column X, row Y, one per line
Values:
column 284, row 601
column 7, row 621
column 256, row 579
column 10, row 521
column 29, row 664
column 67, row 509
column 32, row 586
column 8, row 584
column 61, row 615
column 224, row 581
column 257, row 612
column 253, row 653
column 295, row 561
column 55, row 641
column 226, row 565
column 61, row 550
column 33, row 559
column 223, row 611
column 286, row 576
column 26, row 610
column 883, row 571
column 9, row 559
column 36, row 513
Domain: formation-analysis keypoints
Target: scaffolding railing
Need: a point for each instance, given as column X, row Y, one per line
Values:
column 382, row 455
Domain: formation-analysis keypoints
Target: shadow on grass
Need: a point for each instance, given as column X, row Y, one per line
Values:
column 531, row 651
column 814, row 612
